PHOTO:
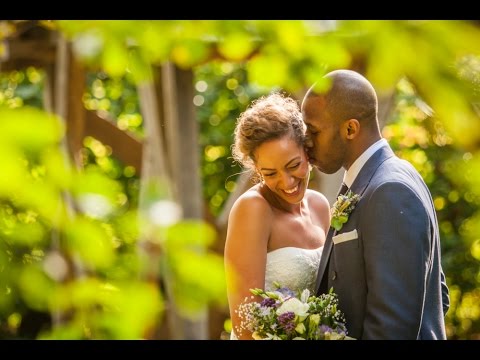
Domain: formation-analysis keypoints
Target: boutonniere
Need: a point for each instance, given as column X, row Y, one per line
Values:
column 342, row 208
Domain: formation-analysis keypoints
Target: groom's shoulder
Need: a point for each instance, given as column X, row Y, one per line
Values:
column 397, row 170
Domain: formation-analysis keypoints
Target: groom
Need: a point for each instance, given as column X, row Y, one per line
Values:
column 384, row 262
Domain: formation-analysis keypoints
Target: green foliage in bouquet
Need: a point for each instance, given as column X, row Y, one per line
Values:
column 284, row 315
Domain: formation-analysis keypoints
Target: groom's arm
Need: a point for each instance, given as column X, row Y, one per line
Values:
column 397, row 253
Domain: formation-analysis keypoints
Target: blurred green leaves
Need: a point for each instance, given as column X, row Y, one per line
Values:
column 68, row 241
column 197, row 275
column 226, row 92
column 30, row 129
column 236, row 46
column 57, row 223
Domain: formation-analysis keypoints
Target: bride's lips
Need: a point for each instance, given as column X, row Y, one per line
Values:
column 298, row 188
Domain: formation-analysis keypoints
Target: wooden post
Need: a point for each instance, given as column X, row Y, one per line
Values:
column 155, row 185
column 182, row 143
column 56, row 100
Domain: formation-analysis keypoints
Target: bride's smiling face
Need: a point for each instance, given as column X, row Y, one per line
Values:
column 284, row 167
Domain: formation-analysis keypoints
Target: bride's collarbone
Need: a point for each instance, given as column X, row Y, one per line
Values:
column 301, row 217
column 296, row 235
column 294, row 223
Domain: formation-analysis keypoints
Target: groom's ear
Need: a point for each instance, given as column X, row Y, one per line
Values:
column 352, row 128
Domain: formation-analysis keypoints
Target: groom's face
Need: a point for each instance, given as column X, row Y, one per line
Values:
column 325, row 146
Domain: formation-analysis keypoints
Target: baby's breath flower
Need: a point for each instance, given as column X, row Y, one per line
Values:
column 284, row 315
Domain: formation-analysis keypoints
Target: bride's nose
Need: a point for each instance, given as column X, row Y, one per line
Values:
column 287, row 180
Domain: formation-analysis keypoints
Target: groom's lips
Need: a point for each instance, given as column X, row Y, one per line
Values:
column 310, row 157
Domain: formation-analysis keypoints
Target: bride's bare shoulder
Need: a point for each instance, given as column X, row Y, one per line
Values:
column 319, row 206
column 252, row 202
column 316, row 199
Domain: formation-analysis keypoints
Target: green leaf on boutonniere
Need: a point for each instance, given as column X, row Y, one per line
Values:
column 338, row 222
column 342, row 208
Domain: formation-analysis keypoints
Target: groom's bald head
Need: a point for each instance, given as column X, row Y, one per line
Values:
column 350, row 96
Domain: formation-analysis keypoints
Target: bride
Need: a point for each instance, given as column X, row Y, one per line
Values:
column 277, row 228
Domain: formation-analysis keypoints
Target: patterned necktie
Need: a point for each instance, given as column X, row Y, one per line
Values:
column 343, row 190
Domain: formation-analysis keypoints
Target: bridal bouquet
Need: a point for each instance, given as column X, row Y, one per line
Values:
column 284, row 315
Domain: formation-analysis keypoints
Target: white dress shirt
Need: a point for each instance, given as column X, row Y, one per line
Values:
column 352, row 172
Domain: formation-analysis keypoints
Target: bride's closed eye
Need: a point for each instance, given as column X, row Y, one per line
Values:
column 292, row 167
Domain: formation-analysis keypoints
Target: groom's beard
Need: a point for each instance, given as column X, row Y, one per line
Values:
column 328, row 167
column 333, row 158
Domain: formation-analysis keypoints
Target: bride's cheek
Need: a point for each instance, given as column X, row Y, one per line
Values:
column 304, row 171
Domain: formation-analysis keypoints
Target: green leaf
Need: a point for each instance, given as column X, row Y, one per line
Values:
column 338, row 221
column 236, row 46
column 89, row 240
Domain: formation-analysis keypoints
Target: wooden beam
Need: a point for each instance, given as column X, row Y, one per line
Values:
column 30, row 51
column 125, row 146
column 21, row 64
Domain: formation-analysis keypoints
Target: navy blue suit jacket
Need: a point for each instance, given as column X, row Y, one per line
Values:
column 388, row 277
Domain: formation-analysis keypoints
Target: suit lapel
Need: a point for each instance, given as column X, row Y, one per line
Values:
column 358, row 187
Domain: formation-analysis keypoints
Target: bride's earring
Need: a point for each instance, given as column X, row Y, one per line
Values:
column 260, row 177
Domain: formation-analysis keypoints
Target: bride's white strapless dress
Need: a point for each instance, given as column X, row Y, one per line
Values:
column 291, row 267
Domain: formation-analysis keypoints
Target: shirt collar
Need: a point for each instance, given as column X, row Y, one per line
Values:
column 351, row 174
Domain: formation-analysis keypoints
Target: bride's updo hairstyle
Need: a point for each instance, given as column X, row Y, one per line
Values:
column 267, row 118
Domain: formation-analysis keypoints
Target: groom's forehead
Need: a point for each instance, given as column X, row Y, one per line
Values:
column 314, row 104
column 314, row 109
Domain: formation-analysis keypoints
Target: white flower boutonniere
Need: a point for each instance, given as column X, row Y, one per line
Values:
column 342, row 208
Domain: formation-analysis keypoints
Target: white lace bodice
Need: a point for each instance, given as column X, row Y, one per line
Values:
column 293, row 267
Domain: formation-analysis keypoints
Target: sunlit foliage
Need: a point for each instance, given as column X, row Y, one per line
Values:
column 118, row 99
column 223, row 92
column 19, row 88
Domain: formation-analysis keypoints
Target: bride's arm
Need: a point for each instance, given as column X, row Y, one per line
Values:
column 248, row 232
